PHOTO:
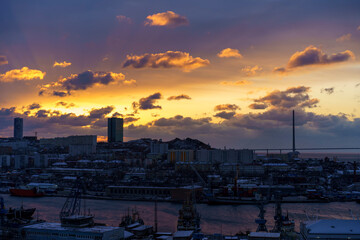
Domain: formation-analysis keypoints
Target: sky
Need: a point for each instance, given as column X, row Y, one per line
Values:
column 228, row 73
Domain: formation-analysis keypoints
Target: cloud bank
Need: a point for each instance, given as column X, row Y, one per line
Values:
column 169, row 59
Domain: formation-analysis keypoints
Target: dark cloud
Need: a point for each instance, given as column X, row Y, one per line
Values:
column 7, row 111
column 148, row 102
column 57, row 93
column 252, row 130
column 3, row 60
column 42, row 113
column 279, row 70
column 179, row 97
column 100, row 112
column 180, row 121
column 225, row 115
column 130, row 119
column 83, row 81
column 65, row 104
column 313, row 55
column 230, row 107
column 116, row 114
column 169, row 59
column 258, row 106
column 34, row 106
column 290, row 98
column 328, row 90
column 256, row 130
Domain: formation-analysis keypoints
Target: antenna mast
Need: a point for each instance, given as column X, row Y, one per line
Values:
column 293, row 128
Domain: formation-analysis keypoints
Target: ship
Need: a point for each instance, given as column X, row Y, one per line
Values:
column 26, row 192
column 20, row 213
column 189, row 218
column 128, row 219
column 71, row 214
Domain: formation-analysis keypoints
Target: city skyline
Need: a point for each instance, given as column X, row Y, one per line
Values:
column 228, row 74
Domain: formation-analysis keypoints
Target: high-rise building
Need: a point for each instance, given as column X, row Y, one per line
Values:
column 18, row 128
column 115, row 129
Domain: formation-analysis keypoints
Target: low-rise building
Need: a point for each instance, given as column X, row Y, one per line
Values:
column 330, row 229
column 54, row 231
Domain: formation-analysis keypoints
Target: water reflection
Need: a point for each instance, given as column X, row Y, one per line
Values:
column 214, row 219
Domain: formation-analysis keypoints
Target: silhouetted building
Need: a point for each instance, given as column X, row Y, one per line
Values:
column 18, row 128
column 115, row 129
column 78, row 145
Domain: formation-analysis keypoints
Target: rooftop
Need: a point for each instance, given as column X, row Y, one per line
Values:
column 58, row 227
column 333, row 226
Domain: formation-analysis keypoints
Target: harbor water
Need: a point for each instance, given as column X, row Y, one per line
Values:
column 225, row 219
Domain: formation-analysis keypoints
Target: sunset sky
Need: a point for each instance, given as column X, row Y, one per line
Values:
column 228, row 73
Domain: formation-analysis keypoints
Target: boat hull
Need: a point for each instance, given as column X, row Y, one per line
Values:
column 25, row 192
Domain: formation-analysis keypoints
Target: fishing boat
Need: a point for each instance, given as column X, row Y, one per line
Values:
column 20, row 213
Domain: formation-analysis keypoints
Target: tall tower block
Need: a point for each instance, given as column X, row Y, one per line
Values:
column 115, row 129
column 18, row 128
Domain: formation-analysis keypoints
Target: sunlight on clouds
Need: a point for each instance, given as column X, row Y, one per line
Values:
column 63, row 64
column 235, row 83
column 251, row 71
column 229, row 53
column 23, row 74
column 343, row 38
column 168, row 18
column 169, row 59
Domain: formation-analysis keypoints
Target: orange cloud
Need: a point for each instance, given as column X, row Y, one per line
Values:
column 63, row 64
column 229, row 53
column 3, row 60
column 168, row 18
column 169, row 59
column 251, row 71
column 343, row 38
column 236, row 83
column 23, row 74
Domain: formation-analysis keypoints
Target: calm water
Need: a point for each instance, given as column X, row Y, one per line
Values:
column 214, row 219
